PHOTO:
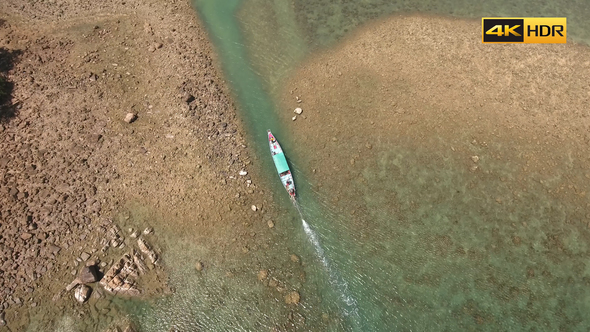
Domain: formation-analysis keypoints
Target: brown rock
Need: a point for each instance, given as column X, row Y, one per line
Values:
column 295, row 258
column 88, row 274
column 53, row 249
column 94, row 137
column 26, row 236
column 188, row 98
column 199, row 266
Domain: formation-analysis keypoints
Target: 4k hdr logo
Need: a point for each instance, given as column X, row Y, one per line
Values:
column 524, row 30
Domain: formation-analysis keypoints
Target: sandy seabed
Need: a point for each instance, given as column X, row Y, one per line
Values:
column 457, row 164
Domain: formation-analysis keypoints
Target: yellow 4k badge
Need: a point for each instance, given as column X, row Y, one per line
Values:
column 524, row 30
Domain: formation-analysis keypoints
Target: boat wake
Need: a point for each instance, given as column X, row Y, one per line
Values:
column 335, row 280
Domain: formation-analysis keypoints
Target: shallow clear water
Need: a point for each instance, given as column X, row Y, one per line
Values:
column 408, row 238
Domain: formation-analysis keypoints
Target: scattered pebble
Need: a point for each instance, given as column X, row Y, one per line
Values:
column 199, row 266
column 130, row 117
column 26, row 236
column 254, row 208
column 148, row 230
column 271, row 224
column 295, row 258
column 475, row 159
column 243, row 173
column 294, row 118
column 84, row 256
column 298, row 110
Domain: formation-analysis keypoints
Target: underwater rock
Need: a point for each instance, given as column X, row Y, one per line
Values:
column 273, row 283
column 263, row 274
column 199, row 266
column 129, row 328
column 121, row 278
column 292, row 298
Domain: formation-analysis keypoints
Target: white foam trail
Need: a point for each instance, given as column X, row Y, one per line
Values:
column 314, row 240
column 341, row 285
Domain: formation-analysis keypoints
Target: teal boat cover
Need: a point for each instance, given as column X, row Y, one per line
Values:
column 280, row 162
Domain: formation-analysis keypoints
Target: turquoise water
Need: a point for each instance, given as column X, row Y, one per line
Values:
column 411, row 240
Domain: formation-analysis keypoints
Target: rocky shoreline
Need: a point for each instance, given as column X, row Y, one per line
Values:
column 73, row 160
